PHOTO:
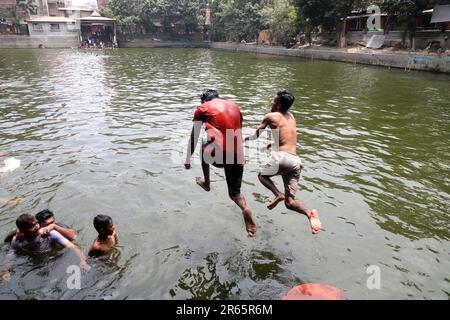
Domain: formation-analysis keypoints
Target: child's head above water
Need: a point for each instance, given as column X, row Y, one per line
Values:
column 104, row 225
column 45, row 217
column 27, row 224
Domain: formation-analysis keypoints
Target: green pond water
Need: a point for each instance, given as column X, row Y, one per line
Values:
column 106, row 132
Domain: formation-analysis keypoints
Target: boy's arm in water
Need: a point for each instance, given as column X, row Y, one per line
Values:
column 10, row 236
column 195, row 133
column 58, row 238
column 262, row 126
column 74, row 248
column 5, row 271
column 14, row 201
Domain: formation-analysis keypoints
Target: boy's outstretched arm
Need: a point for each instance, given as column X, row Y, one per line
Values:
column 66, row 232
column 262, row 126
column 74, row 248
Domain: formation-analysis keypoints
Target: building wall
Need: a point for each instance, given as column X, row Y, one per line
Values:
column 19, row 42
column 65, row 29
column 421, row 38
column 50, row 7
column 7, row 9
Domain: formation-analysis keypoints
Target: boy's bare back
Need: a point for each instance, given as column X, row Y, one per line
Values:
column 287, row 130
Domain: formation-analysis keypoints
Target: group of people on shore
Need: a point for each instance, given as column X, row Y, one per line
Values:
column 223, row 148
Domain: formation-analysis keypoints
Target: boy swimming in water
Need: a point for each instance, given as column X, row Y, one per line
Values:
column 284, row 161
column 46, row 218
column 107, row 237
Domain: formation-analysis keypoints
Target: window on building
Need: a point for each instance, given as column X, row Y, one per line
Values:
column 37, row 27
column 54, row 27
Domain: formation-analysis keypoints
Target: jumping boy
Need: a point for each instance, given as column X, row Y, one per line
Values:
column 284, row 161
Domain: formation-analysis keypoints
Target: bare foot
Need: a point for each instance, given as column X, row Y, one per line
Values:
column 201, row 182
column 250, row 223
column 316, row 225
column 275, row 201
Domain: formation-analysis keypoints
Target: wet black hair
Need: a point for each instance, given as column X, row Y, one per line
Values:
column 43, row 215
column 285, row 99
column 209, row 95
column 101, row 221
column 25, row 221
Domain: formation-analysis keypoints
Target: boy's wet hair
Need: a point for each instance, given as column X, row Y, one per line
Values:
column 25, row 221
column 209, row 95
column 101, row 221
column 43, row 215
column 285, row 99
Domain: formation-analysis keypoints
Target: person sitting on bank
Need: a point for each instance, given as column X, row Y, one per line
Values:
column 45, row 219
column 107, row 236
column 36, row 240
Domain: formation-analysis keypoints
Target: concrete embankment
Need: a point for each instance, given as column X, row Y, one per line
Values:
column 26, row 42
column 404, row 60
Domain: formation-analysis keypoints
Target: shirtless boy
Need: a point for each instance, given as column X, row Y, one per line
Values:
column 284, row 161
column 107, row 237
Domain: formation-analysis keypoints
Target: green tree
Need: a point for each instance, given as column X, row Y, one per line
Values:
column 169, row 12
column 124, row 12
column 29, row 6
column 281, row 19
column 191, row 14
column 405, row 13
column 16, row 21
column 237, row 20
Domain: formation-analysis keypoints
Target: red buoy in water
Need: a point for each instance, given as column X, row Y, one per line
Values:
column 314, row 291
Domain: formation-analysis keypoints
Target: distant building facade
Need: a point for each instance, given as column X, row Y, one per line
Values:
column 9, row 7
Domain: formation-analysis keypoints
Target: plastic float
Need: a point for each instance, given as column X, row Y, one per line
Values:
column 314, row 291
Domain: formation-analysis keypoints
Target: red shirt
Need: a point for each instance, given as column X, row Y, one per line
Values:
column 220, row 115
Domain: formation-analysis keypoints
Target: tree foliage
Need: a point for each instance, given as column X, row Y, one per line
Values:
column 238, row 20
column 150, row 12
column 29, row 6
column 280, row 17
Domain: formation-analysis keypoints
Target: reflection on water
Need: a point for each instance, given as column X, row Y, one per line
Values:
column 105, row 132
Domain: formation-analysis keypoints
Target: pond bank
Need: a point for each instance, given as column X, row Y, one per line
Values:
column 400, row 59
column 404, row 60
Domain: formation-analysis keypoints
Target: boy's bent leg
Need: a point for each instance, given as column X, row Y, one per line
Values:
column 204, row 182
column 313, row 215
column 233, row 175
column 268, row 183
column 268, row 170
column 290, row 183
